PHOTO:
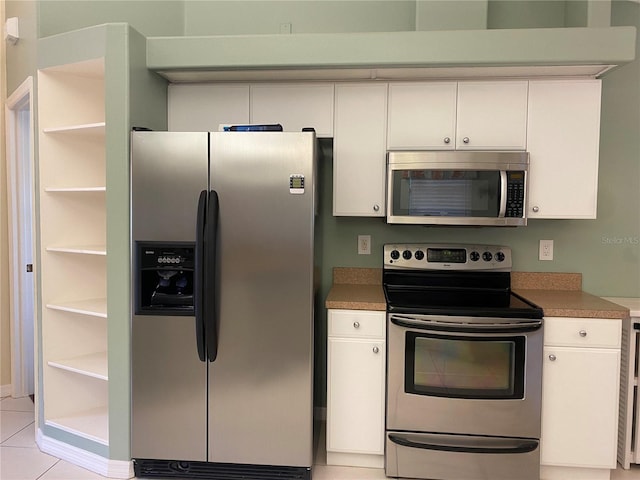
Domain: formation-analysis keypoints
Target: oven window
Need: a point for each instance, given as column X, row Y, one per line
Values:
column 465, row 367
column 446, row 193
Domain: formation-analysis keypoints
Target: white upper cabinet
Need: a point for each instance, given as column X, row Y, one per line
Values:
column 492, row 115
column 202, row 108
column 563, row 143
column 422, row 115
column 294, row 106
column 450, row 115
column 359, row 149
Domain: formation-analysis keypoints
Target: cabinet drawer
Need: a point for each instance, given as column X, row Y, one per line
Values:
column 582, row 332
column 356, row 323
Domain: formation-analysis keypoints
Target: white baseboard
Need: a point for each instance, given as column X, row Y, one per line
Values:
column 82, row 458
column 5, row 390
column 573, row 473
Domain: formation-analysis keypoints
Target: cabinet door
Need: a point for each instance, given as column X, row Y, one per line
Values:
column 294, row 107
column 492, row 115
column 355, row 396
column 202, row 108
column 359, row 150
column 422, row 115
column 563, row 143
column 580, row 407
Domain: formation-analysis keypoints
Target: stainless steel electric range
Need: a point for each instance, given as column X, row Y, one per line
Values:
column 464, row 365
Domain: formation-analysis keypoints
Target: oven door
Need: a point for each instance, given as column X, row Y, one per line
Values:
column 464, row 375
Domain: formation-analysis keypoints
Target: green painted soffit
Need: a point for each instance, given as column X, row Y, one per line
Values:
column 544, row 46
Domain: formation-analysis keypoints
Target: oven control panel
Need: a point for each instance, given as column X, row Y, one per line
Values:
column 431, row 256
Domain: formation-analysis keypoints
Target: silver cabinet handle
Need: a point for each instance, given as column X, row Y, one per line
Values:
column 465, row 140
column 447, row 140
column 376, row 208
column 536, row 209
column 356, row 324
column 552, row 357
column 376, row 349
column 583, row 333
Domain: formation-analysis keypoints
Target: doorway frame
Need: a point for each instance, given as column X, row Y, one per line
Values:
column 24, row 350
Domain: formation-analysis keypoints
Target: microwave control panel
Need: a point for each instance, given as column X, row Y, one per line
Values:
column 515, row 194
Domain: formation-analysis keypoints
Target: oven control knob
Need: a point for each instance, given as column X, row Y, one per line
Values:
column 499, row 256
column 419, row 255
column 474, row 256
column 486, row 256
column 406, row 254
column 395, row 254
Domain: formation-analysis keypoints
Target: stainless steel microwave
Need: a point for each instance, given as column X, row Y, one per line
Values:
column 457, row 187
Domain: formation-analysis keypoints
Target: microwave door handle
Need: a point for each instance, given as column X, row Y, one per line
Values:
column 503, row 194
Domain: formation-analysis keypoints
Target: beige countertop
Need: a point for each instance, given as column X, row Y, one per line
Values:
column 632, row 303
column 561, row 295
column 558, row 294
column 356, row 289
column 573, row 303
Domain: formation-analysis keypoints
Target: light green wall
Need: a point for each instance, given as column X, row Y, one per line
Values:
column 576, row 13
column 149, row 17
column 448, row 15
column 305, row 16
column 526, row 14
column 21, row 57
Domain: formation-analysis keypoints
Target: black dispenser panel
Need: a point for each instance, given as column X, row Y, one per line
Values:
column 164, row 281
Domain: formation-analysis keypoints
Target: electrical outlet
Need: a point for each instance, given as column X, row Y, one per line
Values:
column 285, row 28
column 364, row 244
column 546, row 250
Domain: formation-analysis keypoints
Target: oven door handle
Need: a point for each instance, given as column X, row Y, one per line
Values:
column 464, row 443
column 441, row 324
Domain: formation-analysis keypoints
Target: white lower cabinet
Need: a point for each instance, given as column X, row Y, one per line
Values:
column 581, row 379
column 355, row 388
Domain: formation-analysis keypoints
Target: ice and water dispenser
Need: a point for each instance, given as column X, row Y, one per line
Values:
column 164, row 281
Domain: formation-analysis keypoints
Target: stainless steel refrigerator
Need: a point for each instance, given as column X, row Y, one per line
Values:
column 222, row 315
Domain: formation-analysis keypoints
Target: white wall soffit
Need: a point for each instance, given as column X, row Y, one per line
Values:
column 393, row 55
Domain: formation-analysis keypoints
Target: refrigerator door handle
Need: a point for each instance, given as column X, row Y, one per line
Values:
column 198, row 287
column 211, row 311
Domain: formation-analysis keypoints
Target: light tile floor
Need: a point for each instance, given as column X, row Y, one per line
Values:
column 20, row 458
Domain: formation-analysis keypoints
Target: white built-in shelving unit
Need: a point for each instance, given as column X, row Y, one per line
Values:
column 71, row 107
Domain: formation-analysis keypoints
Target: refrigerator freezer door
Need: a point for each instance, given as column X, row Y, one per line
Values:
column 168, row 172
column 168, row 405
column 260, row 385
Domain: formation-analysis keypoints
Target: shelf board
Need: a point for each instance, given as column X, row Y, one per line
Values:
column 81, row 249
column 94, row 365
column 97, row 127
column 91, row 424
column 74, row 189
column 94, row 307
